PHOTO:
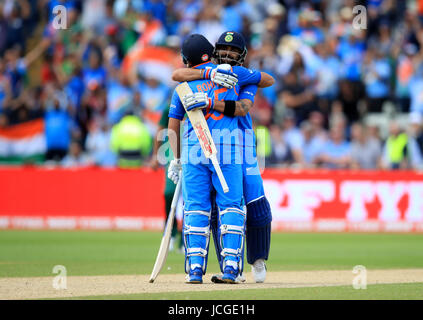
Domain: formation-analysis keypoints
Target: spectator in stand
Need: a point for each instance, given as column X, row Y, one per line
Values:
column 209, row 23
column 293, row 137
column 298, row 96
column 307, row 30
column 58, row 127
column 416, row 89
column 317, row 122
column 349, row 98
column 120, row 97
column 365, row 151
column 18, row 24
column 5, row 87
column 95, row 72
column 417, row 129
column 76, row 157
column 327, row 68
column 154, row 98
column 94, row 104
column 98, row 143
column 280, row 152
column 395, row 151
column 404, row 72
column 377, row 73
column 94, row 15
column 415, row 141
column 351, row 50
column 312, row 147
column 337, row 117
column 336, row 153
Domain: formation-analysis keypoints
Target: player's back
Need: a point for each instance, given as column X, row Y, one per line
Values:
column 222, row 127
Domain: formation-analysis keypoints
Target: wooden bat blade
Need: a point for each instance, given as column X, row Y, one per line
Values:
column 164, row 244
column 199, row 123
column 202, row 131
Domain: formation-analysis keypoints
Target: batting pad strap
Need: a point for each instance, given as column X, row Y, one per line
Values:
column 204, row 213
column 196, row 252
column 234, row 210
column 201, row 231
column 232, row 264
column 227, row 228
column 230, row 252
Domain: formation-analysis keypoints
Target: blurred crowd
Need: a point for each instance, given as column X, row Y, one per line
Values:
column 348, row 92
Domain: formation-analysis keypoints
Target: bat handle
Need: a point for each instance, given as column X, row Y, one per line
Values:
column 219, row 174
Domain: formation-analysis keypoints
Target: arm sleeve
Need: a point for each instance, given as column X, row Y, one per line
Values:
column 247, row 76
column 176, row 110
column 248, row 92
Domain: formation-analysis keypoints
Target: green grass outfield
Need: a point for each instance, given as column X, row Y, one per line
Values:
column 35, row 253
column 403, row 291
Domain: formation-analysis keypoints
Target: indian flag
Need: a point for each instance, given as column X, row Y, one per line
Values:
column 25, row 142
column 157, row 62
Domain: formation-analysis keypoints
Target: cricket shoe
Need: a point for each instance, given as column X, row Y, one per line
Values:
column 259, row 270
column 218, row 278
column 195, row 276
column 230, row 275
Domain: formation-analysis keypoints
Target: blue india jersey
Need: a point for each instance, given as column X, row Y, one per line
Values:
column 225, row 130
column 245, row 123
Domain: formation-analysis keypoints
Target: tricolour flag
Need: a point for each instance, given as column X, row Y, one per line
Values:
column 151, row 61
column 23, row 141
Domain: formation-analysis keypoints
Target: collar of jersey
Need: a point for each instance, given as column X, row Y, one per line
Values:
column 201, row 65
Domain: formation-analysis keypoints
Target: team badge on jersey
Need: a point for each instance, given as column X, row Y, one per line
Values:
column 205, row 57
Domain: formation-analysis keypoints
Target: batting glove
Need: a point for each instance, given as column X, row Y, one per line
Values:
column 197, row 100
column 174, row 170
column 222, row 77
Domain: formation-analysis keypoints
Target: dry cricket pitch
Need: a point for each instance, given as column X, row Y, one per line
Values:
column 81, row 286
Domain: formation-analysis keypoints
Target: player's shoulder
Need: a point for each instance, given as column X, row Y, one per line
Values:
column 241, row 69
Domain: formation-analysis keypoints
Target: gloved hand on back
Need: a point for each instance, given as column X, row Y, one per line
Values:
column 221, row 75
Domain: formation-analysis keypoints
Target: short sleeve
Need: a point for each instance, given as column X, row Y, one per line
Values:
column 176, row 110
column 248, row 92
column 247, row 76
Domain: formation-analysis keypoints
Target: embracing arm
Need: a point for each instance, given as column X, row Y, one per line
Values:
column 187, row 74
column 266, row 80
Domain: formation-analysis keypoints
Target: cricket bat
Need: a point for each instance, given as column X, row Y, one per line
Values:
column 202, row 131
column 164, row 245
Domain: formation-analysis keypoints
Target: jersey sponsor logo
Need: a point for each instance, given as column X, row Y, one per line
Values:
column 248, row 92
column 172, row 106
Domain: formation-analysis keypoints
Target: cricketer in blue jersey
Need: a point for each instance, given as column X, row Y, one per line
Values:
column 258, row 209
column 199, row 175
